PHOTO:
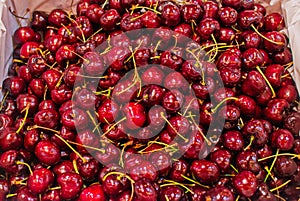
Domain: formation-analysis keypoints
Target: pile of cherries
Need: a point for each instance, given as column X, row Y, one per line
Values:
column 200, row 107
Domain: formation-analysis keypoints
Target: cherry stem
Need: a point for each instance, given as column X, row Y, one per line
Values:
column 93, row 120
column 3, row 100
column 286, row 75
column 283, row 154
column 267, row 39
column 45, row 92
column 237, row 198
column 282, row 185
column 55, row 188
column 217, row 49
column 26, row 109
column 74, row 162
column 267, row 81
column 18, row 61
column 194, row 182
column 113, row 126
column 198, row 64
column 273, row 163
column 168, row 122
column 250, row 143
column 234, row 168
column 28, row 166
column 11, row 195
column 174, row 183
column 77, row 153
column 81, row 57
column 160, row 143
column 223, row 101
column 200, row 131
column 94, row 34
column 126, row 176
column 86, row 146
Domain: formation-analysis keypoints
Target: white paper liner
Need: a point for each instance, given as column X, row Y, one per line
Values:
column 8, row 24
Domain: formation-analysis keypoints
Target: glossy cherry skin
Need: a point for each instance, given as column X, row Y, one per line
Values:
column 135, row 115
column 283, row 57
column 57, row 17
column 252, row 57
column 94, row 12
column 14, row 85
column 6, row 121
column 9, row 139
column 152, row 75
column 89, row 168
column 278, row 38
column 205, row 171
column 24, row 194
column 222, row 158
column 254, row 84
column 173, row 193
column 92, row 193
column 151, row 20
column 285, row 166
column 39, row 20
column 27, row 100
column 245, row 183
column 144, row 170
column 109, row 19
column 247, row 160
column 40, row 180
column 144, row 190
column 210, row 9
column 229, row 60
column 260, row 8
column 247, row 18
column 233, row 140
column 47, row 152
column 152, row 95
column 288, row 92
column 65, row 54
column 71, row 184
column 228, row 16
column 51, row 195
column 191, row 12
column 275, row 110
column 23, row 35
column 207, row 27
column 291, row 122
column 282, row 139
column 47, row 118
column 8, row 161
column 170, row 14
column 274, row 22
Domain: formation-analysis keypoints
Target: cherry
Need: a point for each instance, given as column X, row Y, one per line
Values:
column 228, row 16
column 10, row 139
column 248, row 18
column 284, row 57
column 222, row 158
column 135, row 115
column 71, row 184
column 260, row 8
column 24, row 194
column 40, row 180
column 172, row 101
column 39, row 20
column 208, row 27
column 291, row 122
column 29, row 101
column 170, row 13
column 151, row 19
column 88, row 168
column 191, row 12
column 251, row 58
column 247, row 160
column 23, row 35
column 109, row 19
column 275, row 110
column 8, row 161
column 251, row 39
column 205, row 171
column 171, row 193
column 152, row 75
column 47, row 152
column 65, row 54
column 37, row 87
column 14, row 85
column 93, row 193
column 6, row 121
column 47, row 118
column 94, row 12
column 288, row 92
column 53, row 43
column 211, row 9
column 144, row 190
column 285, row 166
column 276, row 41
column 245, row 183
column 63, row 167
column 233, row 140
column 226, row 35
column 51, row 195
column 58, row 17
column 282, row 139
column 144, row 170
column 274, row 22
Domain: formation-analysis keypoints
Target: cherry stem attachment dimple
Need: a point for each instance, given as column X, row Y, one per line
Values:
column 223, row 101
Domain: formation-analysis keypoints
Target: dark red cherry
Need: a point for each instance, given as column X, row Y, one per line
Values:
column 288, row 92
column 6, row 121
column 233, row 140
column 210, row 9
column 107, row 111
column 28, row 49
column 23, row 35
column 93, row 193
column 151, row 20
column 144, row 170
column 109, row 19
column 10, row 139
column 226, row 35
column 27, row 100
column 247, row 18
column 251, row 58
column 208, row 27
column 144, row 190
column 285, row 166
column 228, row 16
column 47, row 118
column 14, row 85
column 82, row 27
column 153, row 75
column 171, row 193
column 260, row 8
column 191, row 12
column 275, row 110
column 152, row 95
column 135, row 115
column 8, row 161
column 47, row 152
column 170, row 14
column 282, row 139
column 71, row 184
column 51, row 195
column 283, row 57
column 229, row 60
column 40, row 180
column 24, row 194
column 89, row 168
column 274, row 22
column 39, row 20
column 251, row 39
column 172, row 101
column 58, row 17
column 247, row 160
column 245, row 183
column 94, row 12
column 291, row 122
column 222, row 158
column 37, row 87
column 274, row 73
column 278, row 41
column 65, row 54
column 24, row 72
column 53, row 43
column 205, row 171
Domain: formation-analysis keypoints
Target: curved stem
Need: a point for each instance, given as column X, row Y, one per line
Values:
column 26, row 109
column 198, row 64
column 223, row 101
column 174, row 183
column 267, row 39
column 267, row 81
column 86, row 146
column 282, row 185
column 273, row 163
column 22, row 163
column 200, row 131
column 250, row 143
column 194, row 182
